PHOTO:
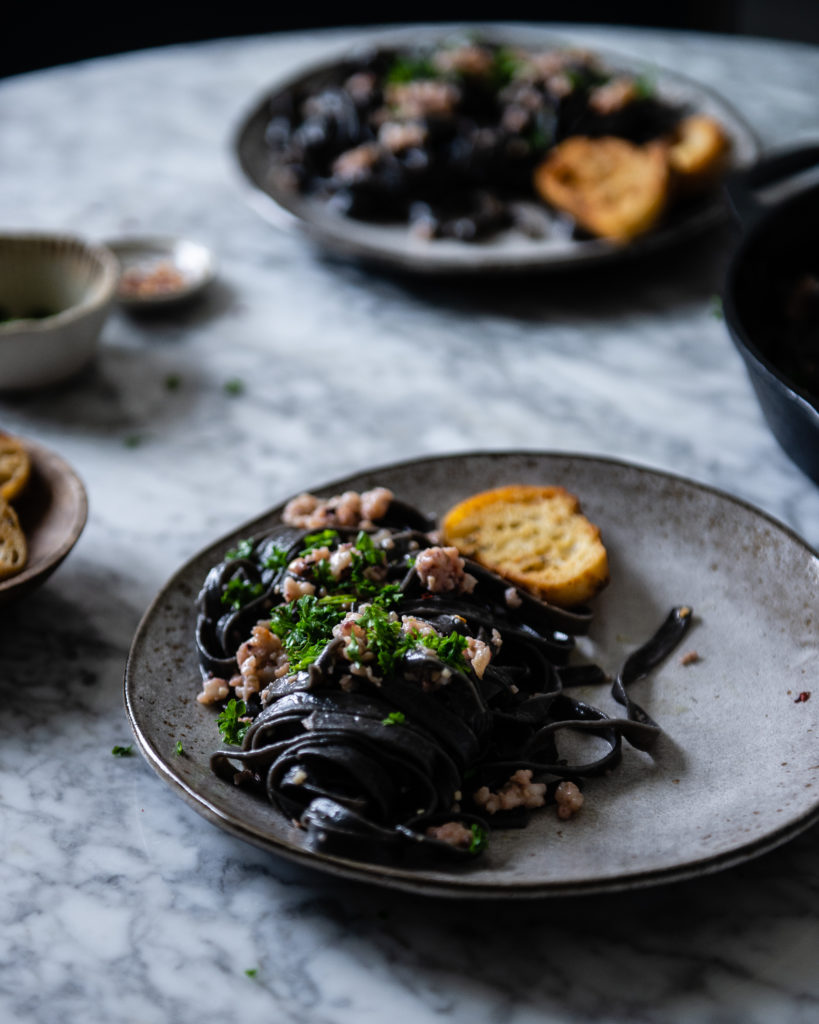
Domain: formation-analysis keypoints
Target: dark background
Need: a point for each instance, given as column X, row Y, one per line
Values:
column 37, row 35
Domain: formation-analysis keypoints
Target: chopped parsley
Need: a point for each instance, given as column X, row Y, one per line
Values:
column 240, row 592
column 276, row 558
column 230, row 723
column 408, row 69
column 450, row 649
column 118, row 751
column 244, row 549
column 132, row 440
column 645, row 86
column 251, row 972
column 394, row 718
column 305, row 627
column 505, row 66
column 716, row 307
column 322, row 539
column 480, row 839
column 180, row 750
column 234, row 386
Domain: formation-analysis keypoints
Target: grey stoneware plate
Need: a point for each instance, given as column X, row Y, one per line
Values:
column 737, row 771
column 394, row 247
column 52, row 511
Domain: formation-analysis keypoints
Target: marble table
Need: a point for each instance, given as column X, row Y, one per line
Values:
column 119, row 902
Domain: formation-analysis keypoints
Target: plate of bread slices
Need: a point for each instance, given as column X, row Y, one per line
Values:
column 43, row 510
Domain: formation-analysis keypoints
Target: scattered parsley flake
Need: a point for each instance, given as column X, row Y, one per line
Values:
column 251, row 972
column 244, row 549
column 480, row 839
column 716, row 307
column 180, row 750
column 132, row 440
column 322, row 539
column 305, row 627
column 409, row 69
column 240, row 592
column 394, row 718
column 119, row 751
column 234, row 386
column 276, row 558
column 230, row 723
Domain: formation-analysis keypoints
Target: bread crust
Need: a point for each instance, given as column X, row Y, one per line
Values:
column 15, row 467
column 13, row 546
column 698, row 153
column 536, row 537
column 609, row 186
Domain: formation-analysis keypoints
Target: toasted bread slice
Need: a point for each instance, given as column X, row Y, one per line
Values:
column 611, row 187
column 13, row 547
column 536, row 537
column 15, row 467
column 698, row 153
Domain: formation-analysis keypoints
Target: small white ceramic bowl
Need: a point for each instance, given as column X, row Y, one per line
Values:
column 55, row 294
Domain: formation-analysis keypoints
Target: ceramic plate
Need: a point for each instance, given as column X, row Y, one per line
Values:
column 394, row 246
column 52, row 511
column 737, row 772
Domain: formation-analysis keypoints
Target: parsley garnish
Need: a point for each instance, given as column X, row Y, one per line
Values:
column 450, row 649
column 234, row 386
column 644, row 86
column 394, row 718
column 118, row 751
column 180, row 750
column 251, row 972
column 408, row 69
column 305, row 627
column 505, row 66
column 716, row 307
column 276, row 558
column 244, row 549
column 230, row 722
column 323, row 539
column 240, row 592
column 480, row 838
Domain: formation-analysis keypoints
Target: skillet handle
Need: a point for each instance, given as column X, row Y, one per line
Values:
column 742, row 188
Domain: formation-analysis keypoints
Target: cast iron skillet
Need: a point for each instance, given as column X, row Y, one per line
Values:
column 775, row 329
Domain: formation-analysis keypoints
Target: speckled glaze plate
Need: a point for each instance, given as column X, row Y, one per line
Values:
column 394, row 247
column 737, row 771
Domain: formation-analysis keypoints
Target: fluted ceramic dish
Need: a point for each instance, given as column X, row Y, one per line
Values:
column 393, row 245
column 736, row 773
column 52, row 510
column 55, row 294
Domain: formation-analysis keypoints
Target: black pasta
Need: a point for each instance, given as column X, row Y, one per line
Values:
column 385, row 707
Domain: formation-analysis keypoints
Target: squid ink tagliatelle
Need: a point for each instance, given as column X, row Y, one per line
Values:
column 394, row 700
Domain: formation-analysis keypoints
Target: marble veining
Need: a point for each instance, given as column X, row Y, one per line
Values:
column 119, row 902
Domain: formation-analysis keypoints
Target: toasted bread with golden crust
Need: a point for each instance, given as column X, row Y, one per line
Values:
column 536, row 537
column 15, row 467
column 698, row 153
column 612, row 188
column 13, row 547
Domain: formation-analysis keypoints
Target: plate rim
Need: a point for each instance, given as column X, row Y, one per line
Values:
column 453, row 886
column 328, row 233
